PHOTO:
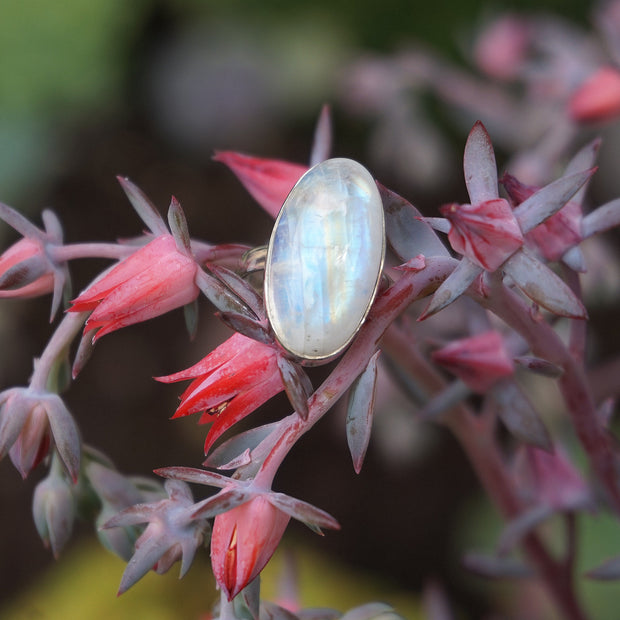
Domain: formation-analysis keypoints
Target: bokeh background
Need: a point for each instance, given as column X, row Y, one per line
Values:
column 148, row 89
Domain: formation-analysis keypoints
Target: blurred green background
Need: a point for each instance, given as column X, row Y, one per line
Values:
column 148, row 89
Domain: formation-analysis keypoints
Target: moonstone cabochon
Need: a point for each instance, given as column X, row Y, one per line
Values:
column 325, row 259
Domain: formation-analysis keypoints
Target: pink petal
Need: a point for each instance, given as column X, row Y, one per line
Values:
column 269, row 181
column 125, row 270
column 487, row 233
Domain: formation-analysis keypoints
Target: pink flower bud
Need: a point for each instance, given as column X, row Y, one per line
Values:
column 269, row 181
column 479, row 361
column 487, row 233
column 25, row 271
column 243, row 541
column 152, row 281
column 598, row 98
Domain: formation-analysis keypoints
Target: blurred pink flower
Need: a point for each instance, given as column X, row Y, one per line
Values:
column 598, row 98
column 25, row 271
column 269, row 181
column 155, row 279
column 229, row 383
column 479, row 361
column 502, row 46
column 487, row 233
column 243, row 541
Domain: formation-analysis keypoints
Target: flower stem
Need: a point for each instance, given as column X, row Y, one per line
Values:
column 60, row 340
column 73, row 251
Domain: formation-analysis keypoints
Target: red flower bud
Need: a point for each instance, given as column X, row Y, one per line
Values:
column 243, row 541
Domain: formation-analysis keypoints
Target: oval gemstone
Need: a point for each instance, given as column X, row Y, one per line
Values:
column 325, row 258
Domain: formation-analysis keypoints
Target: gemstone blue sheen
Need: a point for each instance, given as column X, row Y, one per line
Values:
column 325, row 259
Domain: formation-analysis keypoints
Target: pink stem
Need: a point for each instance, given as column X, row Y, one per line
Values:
column 73, row 251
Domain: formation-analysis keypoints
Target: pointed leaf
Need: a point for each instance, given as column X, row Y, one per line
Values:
column 225, row 500
column 543, row 286
column 540, row 366
column 519, row 416
column 142, row 561
column 479, row 166
column 192, row 474
column 585, row 158
column 138, row 513
column 601, row 219
column 143, row 207
column 65, row 433
column 190, row 313
column 452, row 287
column 407, row 234
column 360, row 410
column 492, row 566
column 60, row 280
column 303, row 511
column 84, row 351
column 296, row 384
column 178, row 227
column 241, row 289
column 237, row 445
column 221, row 296
column 440, row 224
column 12, row 420
column 188, row 551
column 582, row 160
column 17, row 221
column 246, row 326
column 549, row 199
column 573, row 257
column 521, row 526
column 322, row 145
column 52, row 224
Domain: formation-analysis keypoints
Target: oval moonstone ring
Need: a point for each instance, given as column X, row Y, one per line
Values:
column 325, row 259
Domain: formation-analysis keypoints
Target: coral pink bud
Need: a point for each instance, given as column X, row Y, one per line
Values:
column 25, row 271
column 598, row 98
column 152, row 281
column 243, row 541
column 269, row 181
column 479, row 361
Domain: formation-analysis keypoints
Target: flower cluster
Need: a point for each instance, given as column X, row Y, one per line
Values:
column 465, row 307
